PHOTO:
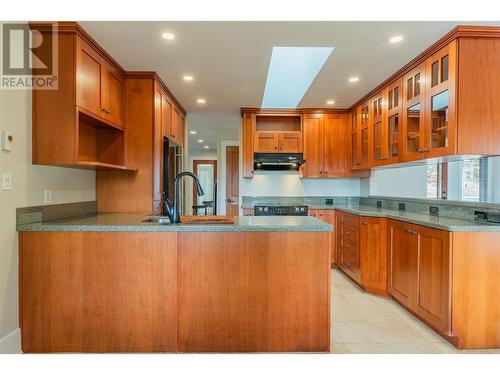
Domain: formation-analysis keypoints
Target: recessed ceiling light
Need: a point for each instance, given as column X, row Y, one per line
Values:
column 330, row 102
column 201, row 101
column 200, row 141
column 193, row 132
column 188, row 78
column 206, row 146
column 396, row 39
column 354, row 79
column 168, row 36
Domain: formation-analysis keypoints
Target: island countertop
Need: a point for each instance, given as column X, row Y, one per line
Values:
column 134, row 222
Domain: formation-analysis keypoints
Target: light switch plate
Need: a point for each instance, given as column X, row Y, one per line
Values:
column 7, row 141
column 47, row 196
column 6, row 181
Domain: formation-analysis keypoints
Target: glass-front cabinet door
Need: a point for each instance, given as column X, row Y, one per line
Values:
column 355, row 139
column 379, row 132
column 413, row 114
column 394, row 119
column 364, row 129
column 440, row 118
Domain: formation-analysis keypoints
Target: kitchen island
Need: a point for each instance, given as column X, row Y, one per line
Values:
column 113, row 283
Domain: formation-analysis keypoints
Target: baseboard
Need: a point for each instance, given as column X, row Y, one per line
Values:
column 11, row 343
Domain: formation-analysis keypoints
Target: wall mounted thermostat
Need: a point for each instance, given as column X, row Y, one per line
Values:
column 7, row 141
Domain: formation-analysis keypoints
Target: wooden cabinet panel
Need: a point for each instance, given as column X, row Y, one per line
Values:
column 329, row 217
column 266, row 142
column 158, row 144
column 373, row 254
column 174, row 132
column 166, row 115
column 378, row 132
column 313, row 153
column 98, row 292
column 402, row 262
column 248, row 131
column 90, row 74
column 432, row 300
column 394, row 121
column 114, row 95
column 233, row 284
column 334, row 145
column 290, row 142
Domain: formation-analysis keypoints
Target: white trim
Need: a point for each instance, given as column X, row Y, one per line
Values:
column 221, row 209
column 11, row 342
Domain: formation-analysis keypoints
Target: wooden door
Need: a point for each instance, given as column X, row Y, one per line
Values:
column 373, row 254
column 166, row 117
column 328, row 216
column 440, row 115
column 248, row 142
column 232, row 181
column 394, row 117
column 432, row 289
column 334, row 145
column 289, row 142
column 114, row 95
column 414, row 114
column 378, row 146
column 266, row 141
column 313, row 149
column 402, row 261
column 157, row 148
column 90, row 73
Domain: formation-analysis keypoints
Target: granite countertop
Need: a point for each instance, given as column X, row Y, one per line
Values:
column 450, row 224
column 121, row 222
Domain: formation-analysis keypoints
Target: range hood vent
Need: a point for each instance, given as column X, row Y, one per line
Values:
column 278, row 161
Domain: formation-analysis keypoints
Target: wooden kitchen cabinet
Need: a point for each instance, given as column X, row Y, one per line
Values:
column 266, row 142
column 281, row 141
column 81, row 123
column 440, row 115
column 394, row 121
column 99, row 85
column 248, row 130
column 378, row 146
column 327, row 216
column 361, row 250
column 419, row 272
column 325, row 142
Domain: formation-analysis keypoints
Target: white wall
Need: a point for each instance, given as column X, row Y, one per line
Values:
column 279, row 183
column 29, row 181
column 409, row 182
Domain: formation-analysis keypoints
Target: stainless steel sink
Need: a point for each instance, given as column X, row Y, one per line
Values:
column 157, row 220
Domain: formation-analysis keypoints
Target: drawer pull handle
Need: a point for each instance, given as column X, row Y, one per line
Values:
column 364, row 222
column 410, row 232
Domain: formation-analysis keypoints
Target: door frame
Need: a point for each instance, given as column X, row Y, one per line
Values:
column 195, row 171
column 221, row 200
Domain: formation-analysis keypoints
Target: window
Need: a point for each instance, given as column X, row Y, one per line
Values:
column 474, row 180
column 437, row 181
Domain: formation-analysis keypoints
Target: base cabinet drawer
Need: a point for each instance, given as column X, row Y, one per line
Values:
column 349, row 264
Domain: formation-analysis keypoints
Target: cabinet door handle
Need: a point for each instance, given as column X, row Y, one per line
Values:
column 410, row 232
column 364, row 222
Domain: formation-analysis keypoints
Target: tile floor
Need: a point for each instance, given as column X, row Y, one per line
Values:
column 366, row 324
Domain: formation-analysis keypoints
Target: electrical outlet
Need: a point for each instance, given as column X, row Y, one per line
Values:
column 6, row 181
column 7, row 141
column 402, row 206
column 379, row 204
column 47, row 196
column 434, row 210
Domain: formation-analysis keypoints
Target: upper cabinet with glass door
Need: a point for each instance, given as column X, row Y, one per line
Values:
column 413, row 114
column 379, row 149
column 355, row 139
column 394, row 121
column 440, row 115
column 364, row 130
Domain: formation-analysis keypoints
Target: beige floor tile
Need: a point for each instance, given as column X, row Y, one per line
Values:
column 395, row 332
column 354, row 331
column 339, row 349
column 335, row 337
column 494, row 351
column 416, row 348
column 370, row 348
column 426, row 332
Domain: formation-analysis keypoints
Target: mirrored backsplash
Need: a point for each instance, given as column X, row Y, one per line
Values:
column 472, row 180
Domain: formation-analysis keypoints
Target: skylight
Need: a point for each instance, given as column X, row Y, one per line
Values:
column 291, row 72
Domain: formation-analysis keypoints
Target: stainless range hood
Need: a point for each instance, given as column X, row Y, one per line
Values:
column 278, row 161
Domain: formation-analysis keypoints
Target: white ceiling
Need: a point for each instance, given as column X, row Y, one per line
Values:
column 229, row 61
